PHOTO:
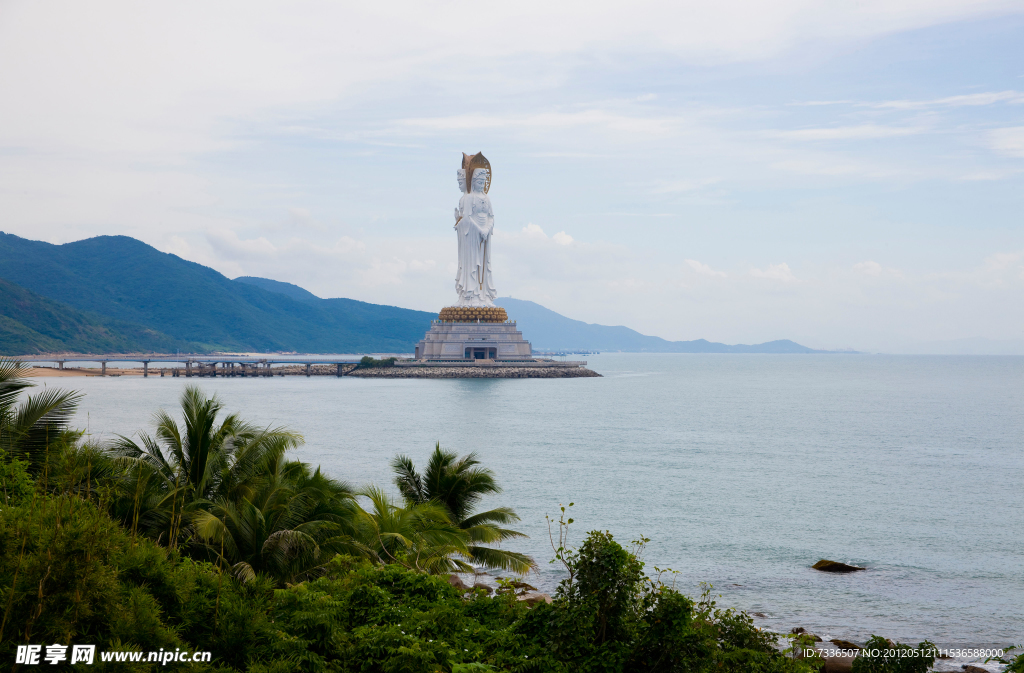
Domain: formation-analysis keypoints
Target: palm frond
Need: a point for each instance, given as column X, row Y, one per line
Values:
column 39, row 420
column 500, row 515
column 500, row 559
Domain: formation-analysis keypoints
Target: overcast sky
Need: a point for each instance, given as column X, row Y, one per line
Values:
column 844, row 174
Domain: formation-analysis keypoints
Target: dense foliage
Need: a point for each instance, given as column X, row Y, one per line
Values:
column 195, row 304
column 72, row 575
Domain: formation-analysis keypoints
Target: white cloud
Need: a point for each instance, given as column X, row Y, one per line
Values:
column 704, row 269
column 1002, row 260
column 862, row 132
column 777, row 272
column 604, row 119
column 974, row 99
column 425, row 265
column 1008, row 140
column 683, row 186
column 532, row 230
column 868, row 268
column 876, row 270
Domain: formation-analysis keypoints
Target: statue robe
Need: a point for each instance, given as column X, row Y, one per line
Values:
column 473, row 281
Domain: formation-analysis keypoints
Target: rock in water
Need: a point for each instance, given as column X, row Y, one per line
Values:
column 827, row 566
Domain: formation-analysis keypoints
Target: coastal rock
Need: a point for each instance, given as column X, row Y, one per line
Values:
column 838, row 665
column 968, row 668
column 534, row 597
column 457, row 582
column 801, row 631
column 827, row 566
column 483, row 587
column 845, row 644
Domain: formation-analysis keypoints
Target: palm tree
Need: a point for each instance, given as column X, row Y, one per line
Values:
column 288, row 528
column 419, row 536
column 30, row 429
column 184, row 469
column 458, row 485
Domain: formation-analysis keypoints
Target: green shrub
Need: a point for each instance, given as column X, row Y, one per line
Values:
column 369, row 362
column 16, row 483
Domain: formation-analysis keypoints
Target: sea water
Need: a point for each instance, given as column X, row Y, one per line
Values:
column 743, row 470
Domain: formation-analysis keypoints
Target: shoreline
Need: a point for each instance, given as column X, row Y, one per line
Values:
column 405, row 372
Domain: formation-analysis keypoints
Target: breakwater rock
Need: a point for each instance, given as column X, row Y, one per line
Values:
column 472, row 372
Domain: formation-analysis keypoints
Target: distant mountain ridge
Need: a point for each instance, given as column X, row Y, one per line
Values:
column 117, row 294
column 124, row 279
column 287, row 289
column 548, row 330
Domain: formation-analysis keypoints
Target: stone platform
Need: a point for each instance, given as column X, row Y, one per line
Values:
column 468, row 340
column 476, row 342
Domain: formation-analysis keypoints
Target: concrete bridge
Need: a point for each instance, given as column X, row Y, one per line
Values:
column 201, row 365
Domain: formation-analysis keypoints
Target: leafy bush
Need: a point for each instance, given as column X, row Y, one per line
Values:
column 15, row 482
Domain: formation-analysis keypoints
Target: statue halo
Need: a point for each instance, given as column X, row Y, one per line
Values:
column 471, row 162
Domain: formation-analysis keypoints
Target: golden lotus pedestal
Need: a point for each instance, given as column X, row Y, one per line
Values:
column 469, row 333
column 473, row 314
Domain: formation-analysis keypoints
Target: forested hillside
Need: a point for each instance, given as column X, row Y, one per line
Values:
column 30, row 324
column 120, row 278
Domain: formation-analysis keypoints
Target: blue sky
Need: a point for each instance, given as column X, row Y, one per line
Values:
column 843, row 174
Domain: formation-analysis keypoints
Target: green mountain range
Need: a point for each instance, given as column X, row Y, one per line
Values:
column 114, row 294
column 117, row 278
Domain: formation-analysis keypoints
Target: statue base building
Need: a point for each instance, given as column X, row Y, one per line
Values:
column 466, row 333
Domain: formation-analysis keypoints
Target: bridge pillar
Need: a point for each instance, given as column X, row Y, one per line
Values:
column 307, row 370
column 60, row 364
column 103, row 368
column 339, row 369
column 188, row 369
column 145, row 369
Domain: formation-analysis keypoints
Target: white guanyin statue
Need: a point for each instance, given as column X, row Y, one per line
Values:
column 474, row 224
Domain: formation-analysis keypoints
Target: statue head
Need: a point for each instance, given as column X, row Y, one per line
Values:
column 461, row 174
column 480, row 177
column 472, row 164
